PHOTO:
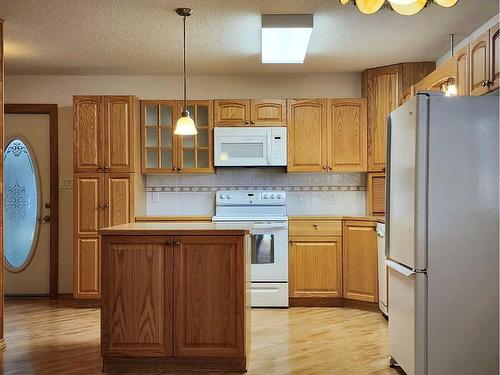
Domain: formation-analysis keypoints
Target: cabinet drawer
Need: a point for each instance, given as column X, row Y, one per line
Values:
column 312, row 227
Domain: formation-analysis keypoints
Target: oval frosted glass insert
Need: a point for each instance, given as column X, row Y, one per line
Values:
column 20, row 204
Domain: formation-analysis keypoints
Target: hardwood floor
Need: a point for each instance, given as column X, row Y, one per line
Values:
column 45, row 337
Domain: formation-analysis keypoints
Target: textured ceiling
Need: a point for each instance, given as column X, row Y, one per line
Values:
column 144, row 37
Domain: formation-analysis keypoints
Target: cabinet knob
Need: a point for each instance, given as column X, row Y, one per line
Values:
column 323, row 167
column 174, row 169
column 246, row 122
column 329, row 168
column 487, row 83
column 179, row 169
column 106, row 205
column 383, row 169
column 100, row 205
column 252, row 122
column 315, row 226
column 168, row 243
column 177, row 243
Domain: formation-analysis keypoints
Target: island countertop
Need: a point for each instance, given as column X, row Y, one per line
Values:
column 177, row 228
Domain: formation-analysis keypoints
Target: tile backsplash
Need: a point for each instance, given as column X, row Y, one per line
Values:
column 307, row 193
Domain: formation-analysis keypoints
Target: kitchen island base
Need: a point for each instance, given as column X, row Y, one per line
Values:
column 174, row 298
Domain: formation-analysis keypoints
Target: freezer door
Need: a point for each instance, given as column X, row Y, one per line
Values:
column 407, row 322
column 406, row 183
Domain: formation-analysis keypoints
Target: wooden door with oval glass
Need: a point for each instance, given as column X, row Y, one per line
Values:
column 27, row 204
column 195, row 151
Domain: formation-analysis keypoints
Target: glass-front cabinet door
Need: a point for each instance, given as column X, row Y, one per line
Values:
column 195, row 151
column 164, row 152
column 159, row 144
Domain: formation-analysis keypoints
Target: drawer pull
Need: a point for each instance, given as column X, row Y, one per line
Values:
column 315, row 226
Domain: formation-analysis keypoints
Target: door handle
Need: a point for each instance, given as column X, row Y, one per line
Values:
column 399, row 268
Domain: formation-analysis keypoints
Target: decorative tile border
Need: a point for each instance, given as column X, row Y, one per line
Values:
column 210, row 189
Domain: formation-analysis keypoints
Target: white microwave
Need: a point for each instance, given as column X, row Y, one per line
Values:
column 249, row 146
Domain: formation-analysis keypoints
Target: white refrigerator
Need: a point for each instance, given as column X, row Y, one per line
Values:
column 442, row 235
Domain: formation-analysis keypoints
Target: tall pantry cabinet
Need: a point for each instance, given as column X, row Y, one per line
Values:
column 105, row 161
column 384, row 88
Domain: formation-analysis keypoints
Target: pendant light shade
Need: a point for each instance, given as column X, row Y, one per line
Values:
column 369, row 6
column 446, row 3
column 408, row 9
column 185, row 125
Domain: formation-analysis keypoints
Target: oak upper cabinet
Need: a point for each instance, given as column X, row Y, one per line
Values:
column 307, row 146
column 479, row 64
column 246, row 112
column 164, row 152
column 360, row 281
column 375, row 194
column 461, row 62
column 138, row 277
column 268, row 112
column 315, row 260
column 383, row 95
column 494, row 57
column 315, row 267
column 220, row 261
column 232, row 112
column 88, row 134
column 347, row 135
column 384, row 89
column 104, row 133
column 119, row 133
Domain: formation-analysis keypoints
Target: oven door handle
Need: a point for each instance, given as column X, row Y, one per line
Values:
column 269, row 226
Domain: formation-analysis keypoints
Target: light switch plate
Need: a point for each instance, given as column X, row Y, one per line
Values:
column 66, row 183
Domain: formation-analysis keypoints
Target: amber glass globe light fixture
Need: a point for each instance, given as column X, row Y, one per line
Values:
column 185, row 125
column 403, row 7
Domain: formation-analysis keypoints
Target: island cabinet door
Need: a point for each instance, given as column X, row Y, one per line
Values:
column 209, row 285
column 136, row 315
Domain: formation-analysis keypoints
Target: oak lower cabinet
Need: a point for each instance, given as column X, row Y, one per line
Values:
column 178, row 301
column 100, row 200
column 315, row 261
column 360, row 273
column 315, row 267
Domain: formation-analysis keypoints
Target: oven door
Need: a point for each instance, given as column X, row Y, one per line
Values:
column 270, row 252
column 241, row 147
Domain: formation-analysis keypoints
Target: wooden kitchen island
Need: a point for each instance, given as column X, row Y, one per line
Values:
column 175, row 296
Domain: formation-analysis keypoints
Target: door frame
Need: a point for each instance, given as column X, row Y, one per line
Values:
column 51, row 110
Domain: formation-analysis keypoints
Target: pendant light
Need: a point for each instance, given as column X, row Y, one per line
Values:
column 185, row 125
column 449, row 87
column 403, row 7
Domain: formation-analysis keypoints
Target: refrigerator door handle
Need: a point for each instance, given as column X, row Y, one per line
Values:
column 399, row 268
column 388, row 186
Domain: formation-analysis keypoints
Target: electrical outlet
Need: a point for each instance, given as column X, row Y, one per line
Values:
column 301, row 200
column 331, row 197
column 155, row 197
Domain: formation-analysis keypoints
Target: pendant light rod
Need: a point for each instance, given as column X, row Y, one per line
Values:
column 452, row 43
column 184, row 13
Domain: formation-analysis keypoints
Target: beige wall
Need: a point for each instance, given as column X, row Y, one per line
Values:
column 60, row 89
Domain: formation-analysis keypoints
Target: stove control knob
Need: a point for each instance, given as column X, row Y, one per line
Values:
column 279, row 196
column 221, row 196
column 266, row 196
column 228, row 196
column 272, row 196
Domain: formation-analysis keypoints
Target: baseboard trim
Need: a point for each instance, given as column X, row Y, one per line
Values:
column 150, row 365
column 87, row 302
column 332, row 302
column 26, row 296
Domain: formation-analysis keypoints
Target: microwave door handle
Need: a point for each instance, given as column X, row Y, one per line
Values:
column 269, row 145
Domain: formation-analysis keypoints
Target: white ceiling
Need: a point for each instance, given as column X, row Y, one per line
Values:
column 144, row 37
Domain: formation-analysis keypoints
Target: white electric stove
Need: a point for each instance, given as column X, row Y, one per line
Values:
column 266, row 210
